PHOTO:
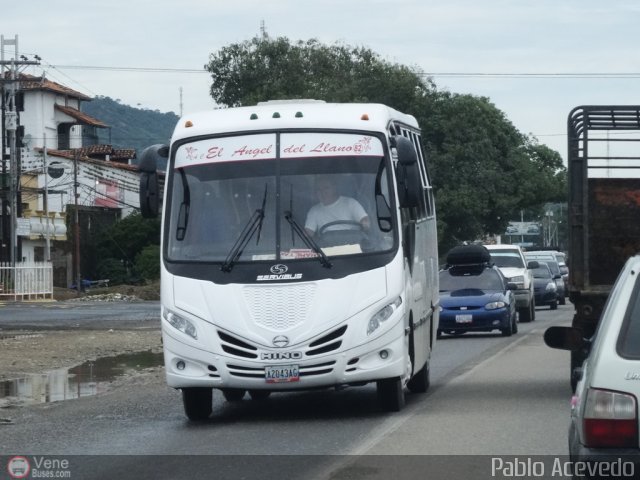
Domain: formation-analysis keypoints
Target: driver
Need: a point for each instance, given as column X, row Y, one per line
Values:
column 333, row 208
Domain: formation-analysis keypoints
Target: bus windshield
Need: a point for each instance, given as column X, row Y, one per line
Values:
column 316, row 197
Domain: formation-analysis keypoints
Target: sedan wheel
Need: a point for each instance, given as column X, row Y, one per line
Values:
column 507, row 332
column 525, row 314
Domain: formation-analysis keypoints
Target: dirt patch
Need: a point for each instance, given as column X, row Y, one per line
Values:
column 150, row 291
column 29, row 352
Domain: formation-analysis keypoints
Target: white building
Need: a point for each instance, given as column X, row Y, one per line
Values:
column 107, row 182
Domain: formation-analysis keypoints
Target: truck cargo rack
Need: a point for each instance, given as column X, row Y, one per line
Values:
column 604, row 194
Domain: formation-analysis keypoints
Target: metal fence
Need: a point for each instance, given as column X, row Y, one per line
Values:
column 26, row 281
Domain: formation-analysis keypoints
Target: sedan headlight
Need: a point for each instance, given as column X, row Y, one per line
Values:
column 495, row 305
column 383, row 315
column 180, row 323
column 551, row 287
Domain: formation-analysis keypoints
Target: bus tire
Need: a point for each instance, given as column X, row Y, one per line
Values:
column 197, row 402
column 420, row 382
column 259, row 394
column 233, row 394
column 391, row 394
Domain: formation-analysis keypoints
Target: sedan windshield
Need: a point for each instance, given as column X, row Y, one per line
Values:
column 301, row 204
column 542, row 272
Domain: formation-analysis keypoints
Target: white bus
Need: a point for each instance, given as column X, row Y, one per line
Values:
column 299, row 251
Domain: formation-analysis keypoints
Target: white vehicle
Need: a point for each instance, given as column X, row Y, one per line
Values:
column 513, row 265
column 604, row 409
column 255, row 296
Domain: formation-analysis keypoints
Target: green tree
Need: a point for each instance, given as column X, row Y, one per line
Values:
column 147, row 263
column 123, row 241
column 484, row 170
column 267, row 69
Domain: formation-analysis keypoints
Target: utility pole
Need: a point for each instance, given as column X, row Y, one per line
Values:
column 10, row 81
column 45, row 200
column 76, row 223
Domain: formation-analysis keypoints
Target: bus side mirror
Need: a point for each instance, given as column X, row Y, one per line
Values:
column 149, row 184
column 407, row 173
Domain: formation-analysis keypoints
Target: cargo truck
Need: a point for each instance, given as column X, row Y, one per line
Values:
column 604, row 208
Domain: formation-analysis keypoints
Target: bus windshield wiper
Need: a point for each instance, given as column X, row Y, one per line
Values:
column 309, row 242
column 264, row 202
column 253, row 225
column 248, row 231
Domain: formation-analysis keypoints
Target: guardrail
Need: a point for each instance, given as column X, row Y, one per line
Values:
column 26, row 281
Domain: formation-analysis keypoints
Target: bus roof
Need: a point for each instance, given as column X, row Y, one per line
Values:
column 291, row 115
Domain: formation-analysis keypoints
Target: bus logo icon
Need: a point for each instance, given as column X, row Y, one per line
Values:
column 280, row 341
column 278, row 269
column 18, row 467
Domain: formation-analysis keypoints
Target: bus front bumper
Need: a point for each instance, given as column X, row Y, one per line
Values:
column 383, row 357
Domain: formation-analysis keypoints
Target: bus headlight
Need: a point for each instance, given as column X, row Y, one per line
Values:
column 383, row 315
column 180, row 323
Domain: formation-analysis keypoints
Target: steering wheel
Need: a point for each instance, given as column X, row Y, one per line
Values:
column 350, row 223
column 353, row 233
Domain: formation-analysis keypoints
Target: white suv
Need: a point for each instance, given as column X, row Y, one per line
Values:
column 604, row 409
column 511, row 262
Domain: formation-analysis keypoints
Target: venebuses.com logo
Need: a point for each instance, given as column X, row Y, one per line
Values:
column 38, row 467
column 18, row 467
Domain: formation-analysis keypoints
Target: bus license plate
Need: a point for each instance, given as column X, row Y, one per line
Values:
column 464, row 318
column 282, row 373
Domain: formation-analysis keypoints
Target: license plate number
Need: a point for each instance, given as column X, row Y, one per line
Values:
column 464, row 318
column 282, row 373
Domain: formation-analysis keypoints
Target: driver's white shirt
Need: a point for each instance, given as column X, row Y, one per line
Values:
column 343, row 209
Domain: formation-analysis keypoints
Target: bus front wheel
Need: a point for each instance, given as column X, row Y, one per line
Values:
column 391, row 394
column 419, row 383
column 197, row 402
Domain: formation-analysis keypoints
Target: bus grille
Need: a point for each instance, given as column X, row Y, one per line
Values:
column 330, row 342
column 235, row 346
column 279, row 307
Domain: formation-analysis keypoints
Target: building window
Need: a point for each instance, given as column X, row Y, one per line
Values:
column 108, row 194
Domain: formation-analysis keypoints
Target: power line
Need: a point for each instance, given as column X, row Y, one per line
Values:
column 131, row 69
column 630, row 75
column 418, row 72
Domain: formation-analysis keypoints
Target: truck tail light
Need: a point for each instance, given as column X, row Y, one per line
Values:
column 610, row 420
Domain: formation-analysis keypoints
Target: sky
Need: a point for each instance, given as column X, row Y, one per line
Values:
column 534, row 60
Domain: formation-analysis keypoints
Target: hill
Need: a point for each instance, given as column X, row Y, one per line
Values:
column 130, row 127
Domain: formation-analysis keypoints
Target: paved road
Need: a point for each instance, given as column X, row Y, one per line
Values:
column 79, row 314
column 490, row 395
